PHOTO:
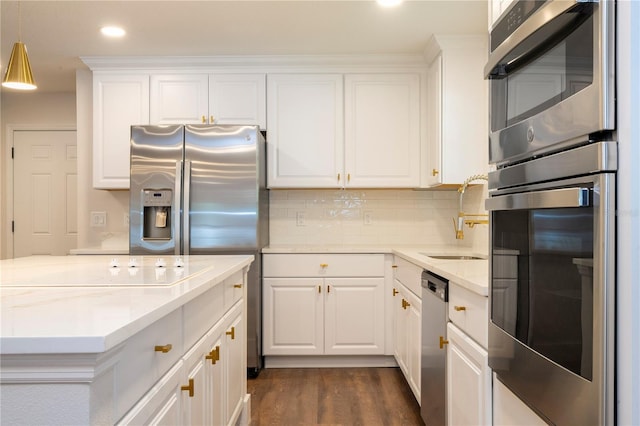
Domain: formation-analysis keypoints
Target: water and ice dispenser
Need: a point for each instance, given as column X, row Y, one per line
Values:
column 156, row 213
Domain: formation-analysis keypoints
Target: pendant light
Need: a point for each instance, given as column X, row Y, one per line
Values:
column 18, row 75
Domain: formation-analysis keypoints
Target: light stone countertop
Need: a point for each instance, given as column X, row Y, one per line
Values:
column 470, row 274
column 84, row 304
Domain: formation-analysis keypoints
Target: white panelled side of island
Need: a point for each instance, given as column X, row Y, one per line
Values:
column 105, row 340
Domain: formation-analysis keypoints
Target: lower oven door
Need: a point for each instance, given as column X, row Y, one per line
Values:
column 551, row 338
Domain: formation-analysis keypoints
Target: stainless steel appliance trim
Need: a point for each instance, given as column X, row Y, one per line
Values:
column 588, row 159
column 555, row 198
column 177, row 201
column 540, row 18
column 186, row 232
column 573, row 120
column 525, row 371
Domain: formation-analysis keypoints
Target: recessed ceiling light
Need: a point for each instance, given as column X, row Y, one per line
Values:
column 389, row 3
column 112, row 31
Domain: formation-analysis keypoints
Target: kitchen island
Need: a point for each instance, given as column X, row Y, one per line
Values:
column 104, row 340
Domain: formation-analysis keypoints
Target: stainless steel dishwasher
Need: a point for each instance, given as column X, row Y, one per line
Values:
column 433, row 391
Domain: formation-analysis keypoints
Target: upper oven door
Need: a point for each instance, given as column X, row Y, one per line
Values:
column 551, row 77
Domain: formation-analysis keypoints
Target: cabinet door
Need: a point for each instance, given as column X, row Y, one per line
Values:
column 162, row 405
column 468, row 380
column 196, row 402
column 179, row 99
column 433, row 173
column 401, row 328
column 235, row 364
column 354, row 316
column 119, row 101
column 382, row 130
column 305, row 123
column 215, row 381
column 293, row 317
column 414, row 338
column 237, row 99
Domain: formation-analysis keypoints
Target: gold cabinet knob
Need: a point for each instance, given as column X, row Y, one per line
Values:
column 443, row 342
column 232, row 333
column 324, row 265
column 188, row 387
column 214, row 355
column 163, row 348
column 460, row 308
column 434, row 172
column 237, row 286
column 395, row 292
column 204, row 120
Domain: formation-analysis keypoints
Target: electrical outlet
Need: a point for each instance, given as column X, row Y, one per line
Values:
column 300, row 221
column 126, row 219
column 98, row 219
column 368, row 218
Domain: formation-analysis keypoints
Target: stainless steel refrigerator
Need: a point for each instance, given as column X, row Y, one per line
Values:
column 201, row 189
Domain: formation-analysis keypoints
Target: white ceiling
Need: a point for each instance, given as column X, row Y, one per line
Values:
column 57, row 33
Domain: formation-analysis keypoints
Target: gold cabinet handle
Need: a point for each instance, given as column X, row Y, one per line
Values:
column 324, row 265
column 319, row 289
column 460, row 308
column 404, row 304
column 237, row 286
column 204, row 120
column 232, row 333
column 328, row 288
column 211, row 120
column 443, row 342
column 188, row 387
column 214, row 355
column 338, row 177
column 348, row 177
column 434, row 172
column 395, row 292
column 394, row 266
column 164, row 348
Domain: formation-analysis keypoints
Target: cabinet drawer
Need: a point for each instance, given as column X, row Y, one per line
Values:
column 323, row 265
column 202, row 313
column 469, row 311
column 408, row 274
column 233, row 289
column 141, row 365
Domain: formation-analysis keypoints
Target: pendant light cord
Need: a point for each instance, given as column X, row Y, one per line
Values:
column 19, row 22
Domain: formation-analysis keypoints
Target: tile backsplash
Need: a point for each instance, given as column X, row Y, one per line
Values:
column 373, row 217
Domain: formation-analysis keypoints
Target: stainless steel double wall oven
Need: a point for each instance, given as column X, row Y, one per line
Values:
column 552, row 201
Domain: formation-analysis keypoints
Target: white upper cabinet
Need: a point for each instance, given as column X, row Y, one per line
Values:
column 382, row 130
column 119, row 101
column 373, row 143
column 305, row 122
column 208, row 99
column 179, row 99
column 457, row 110
column 496, row 8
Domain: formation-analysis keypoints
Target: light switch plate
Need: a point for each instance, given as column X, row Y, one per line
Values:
column 98, row 219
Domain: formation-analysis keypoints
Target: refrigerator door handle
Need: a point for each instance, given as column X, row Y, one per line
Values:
column 176, row 207
column 185, row 207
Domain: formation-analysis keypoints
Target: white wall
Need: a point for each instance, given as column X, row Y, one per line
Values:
column 114, row 203
column 26, row 110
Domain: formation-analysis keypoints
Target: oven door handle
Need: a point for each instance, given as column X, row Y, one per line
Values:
column 555, row 198
column 534, row 23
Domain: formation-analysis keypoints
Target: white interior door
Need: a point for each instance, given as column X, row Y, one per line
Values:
column 45, row 192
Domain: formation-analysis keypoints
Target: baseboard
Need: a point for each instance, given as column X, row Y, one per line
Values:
column 329, row 361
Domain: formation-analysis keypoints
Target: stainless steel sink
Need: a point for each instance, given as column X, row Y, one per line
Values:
column 452, row 256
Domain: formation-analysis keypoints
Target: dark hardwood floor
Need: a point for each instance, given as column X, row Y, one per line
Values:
column 332, row 396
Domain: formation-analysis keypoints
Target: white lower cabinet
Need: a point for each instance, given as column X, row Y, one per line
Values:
column 407, row 320
column 205, row 386
column 407, row 314
column 468, row 372
column 468, row 380
column 323, row 304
